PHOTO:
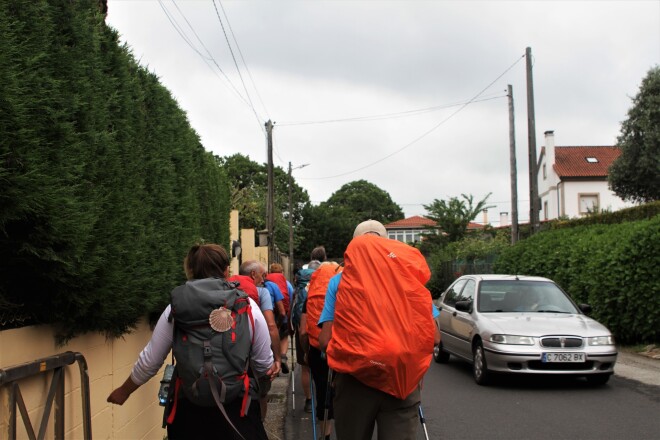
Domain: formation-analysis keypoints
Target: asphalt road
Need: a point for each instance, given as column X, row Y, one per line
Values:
column 515, row 407
column 537, row 407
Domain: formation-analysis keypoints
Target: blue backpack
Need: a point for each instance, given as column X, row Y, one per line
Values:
column 300, row 295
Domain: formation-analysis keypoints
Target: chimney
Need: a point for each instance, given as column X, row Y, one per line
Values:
column 504, row 219
column 485, row 211
column 549, row 149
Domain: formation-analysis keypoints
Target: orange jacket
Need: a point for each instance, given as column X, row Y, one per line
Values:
column 383, row 326
column 316, row 298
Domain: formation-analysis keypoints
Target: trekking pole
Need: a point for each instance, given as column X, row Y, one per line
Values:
column 328, row 397
column 311, row 390
column 293, row 384
column 422, row 420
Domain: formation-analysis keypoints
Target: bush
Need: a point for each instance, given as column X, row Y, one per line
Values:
column 612, row 267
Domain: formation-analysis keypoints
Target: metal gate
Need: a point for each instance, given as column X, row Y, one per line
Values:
column 9, row 377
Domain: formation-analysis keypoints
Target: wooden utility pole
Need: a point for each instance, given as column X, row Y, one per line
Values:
column 531, row 138
column 270, row 214
column 514, row 171
column 291, row 265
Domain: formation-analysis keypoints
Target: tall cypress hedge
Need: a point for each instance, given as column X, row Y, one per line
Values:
column 104, row 185
column 612, row 267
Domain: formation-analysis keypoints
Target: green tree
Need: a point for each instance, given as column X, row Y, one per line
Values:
column 332, row 222
column 454, row 215
column 635, row 175
column 249, row 188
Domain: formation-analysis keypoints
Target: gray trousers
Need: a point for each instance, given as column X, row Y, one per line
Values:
column 359, row 407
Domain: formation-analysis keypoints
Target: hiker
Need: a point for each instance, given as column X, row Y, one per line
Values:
column 276, row 280
column 309, row 339
column 301, row 281
column 378, row 373
column 251, row 277
column 207, row 267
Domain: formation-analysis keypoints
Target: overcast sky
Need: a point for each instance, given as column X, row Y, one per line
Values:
column 408, row 95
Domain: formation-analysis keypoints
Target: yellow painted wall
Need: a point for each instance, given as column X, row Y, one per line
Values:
column 109, row 363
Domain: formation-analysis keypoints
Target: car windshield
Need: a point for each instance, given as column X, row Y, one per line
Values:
column 523, row 296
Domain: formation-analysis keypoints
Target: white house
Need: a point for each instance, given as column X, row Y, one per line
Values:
column 573, row 180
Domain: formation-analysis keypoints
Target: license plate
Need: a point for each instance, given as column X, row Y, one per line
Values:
column 563, row 357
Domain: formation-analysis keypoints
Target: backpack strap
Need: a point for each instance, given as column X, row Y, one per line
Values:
column 219, row 398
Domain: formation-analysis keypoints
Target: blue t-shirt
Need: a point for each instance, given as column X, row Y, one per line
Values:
column 328, row 313
column 275, row 293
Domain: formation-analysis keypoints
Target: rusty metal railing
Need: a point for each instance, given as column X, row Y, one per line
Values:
column 12, row 375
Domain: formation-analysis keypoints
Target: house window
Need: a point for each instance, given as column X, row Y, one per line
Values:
column 545, row 210
column 545, row 174
column 592, row 159
column 588, row 203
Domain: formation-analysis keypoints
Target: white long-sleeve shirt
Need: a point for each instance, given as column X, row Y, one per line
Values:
column 154, row 353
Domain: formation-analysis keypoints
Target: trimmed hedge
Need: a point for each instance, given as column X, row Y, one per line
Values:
column 612, row 267
column 104, row 183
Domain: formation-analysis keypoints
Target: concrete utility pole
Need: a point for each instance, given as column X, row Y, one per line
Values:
column 291, row 262
column 270, row 214
column 531, row 138
column 514, row 171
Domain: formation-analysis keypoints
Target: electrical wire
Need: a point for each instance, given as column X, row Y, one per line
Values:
column 422, row 136
column 231, row 51
column 240, row 52
column 382, row 116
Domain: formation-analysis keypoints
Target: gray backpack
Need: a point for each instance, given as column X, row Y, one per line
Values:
column 212, row 343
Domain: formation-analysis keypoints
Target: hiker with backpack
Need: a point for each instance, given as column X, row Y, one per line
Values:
column 216, row 333
column 378, row 340
column 250, row 277
column 301, row 282
column 275, row 280
column 309, row 338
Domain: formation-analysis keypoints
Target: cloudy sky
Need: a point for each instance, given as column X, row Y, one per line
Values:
column 408, row 95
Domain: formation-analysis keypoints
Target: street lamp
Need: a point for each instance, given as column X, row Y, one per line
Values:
column 291, row 265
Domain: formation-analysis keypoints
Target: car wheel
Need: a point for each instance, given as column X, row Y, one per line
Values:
column 598, row 379
column 479, row 367
column 439, row 355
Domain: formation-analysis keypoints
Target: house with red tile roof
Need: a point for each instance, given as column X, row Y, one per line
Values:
column 572, row 181
column 411, row 229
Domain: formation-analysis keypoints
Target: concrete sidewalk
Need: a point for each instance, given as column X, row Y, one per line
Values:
column 282, row 422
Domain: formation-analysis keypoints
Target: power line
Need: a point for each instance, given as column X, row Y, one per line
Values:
column 387, row 115
column 422, row 136
column 205, row 58
column 247, row 94
column 240, row 52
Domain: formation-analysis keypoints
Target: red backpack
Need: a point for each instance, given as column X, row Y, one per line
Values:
column 383, row 327
column 246, row 284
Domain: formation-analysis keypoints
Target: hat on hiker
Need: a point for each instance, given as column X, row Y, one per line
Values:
column 370, row 226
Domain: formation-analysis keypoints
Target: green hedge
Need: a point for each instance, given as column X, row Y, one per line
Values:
column 104, row 183
column 612, row 267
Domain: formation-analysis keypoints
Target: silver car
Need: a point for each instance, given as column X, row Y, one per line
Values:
column 521, row 324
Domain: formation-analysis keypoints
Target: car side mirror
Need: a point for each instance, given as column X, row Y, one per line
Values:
column 586, row 308
column 464, row 306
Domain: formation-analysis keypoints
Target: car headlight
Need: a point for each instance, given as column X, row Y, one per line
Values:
column 602, row 340
column 512, row 339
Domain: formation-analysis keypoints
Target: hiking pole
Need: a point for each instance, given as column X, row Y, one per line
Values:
column 328, row 390
column 311, row 389
column 293, row 373
column 422, row 420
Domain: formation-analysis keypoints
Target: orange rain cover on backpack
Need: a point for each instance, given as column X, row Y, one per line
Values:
column 316, row 288
column 383, row 328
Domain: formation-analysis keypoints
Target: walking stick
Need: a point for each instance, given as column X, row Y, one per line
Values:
column 311, row 389
column 328, row 390
column 422, row 420
column 293, row 382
